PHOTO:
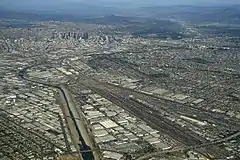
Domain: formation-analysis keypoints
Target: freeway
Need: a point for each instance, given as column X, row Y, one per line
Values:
column 79, row 133
column 148, row 156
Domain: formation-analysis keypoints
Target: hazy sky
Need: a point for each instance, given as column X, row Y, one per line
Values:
column 43, row 4
column 137, row 2
column 165, row 2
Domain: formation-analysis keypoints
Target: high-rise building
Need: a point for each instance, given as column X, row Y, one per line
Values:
column 79, row 36
column 85, row 35
column 64, row 35
column 74, row 35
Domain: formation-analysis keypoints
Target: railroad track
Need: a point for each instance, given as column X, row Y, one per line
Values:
column 156, row 121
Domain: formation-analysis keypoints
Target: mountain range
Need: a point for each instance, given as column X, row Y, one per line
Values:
column 73, row 9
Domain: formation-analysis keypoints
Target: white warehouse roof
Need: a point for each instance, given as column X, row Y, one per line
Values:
column 108, row 124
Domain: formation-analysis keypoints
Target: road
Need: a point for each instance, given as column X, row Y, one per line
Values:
column 148, row 156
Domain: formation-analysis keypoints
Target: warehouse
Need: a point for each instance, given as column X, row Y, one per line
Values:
column 108, row 124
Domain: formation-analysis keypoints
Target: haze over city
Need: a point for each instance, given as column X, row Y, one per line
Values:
column 119, row 80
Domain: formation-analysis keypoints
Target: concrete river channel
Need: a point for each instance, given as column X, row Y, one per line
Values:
column 77, row 124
